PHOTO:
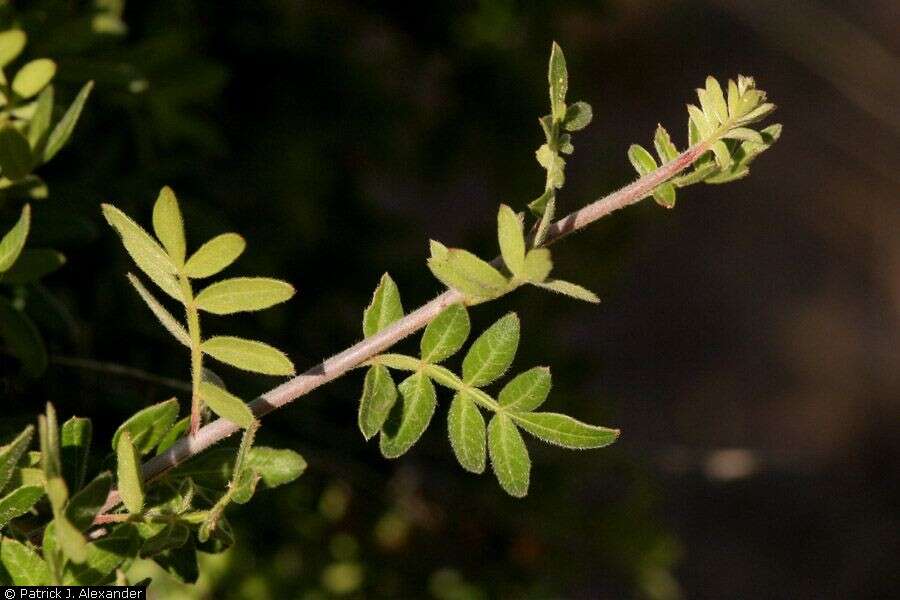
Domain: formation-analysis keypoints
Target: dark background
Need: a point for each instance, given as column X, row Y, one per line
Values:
column 747, row 343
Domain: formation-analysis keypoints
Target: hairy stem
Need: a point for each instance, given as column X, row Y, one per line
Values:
column 341, row 363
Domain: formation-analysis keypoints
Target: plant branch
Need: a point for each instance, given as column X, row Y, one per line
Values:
column 362, row 351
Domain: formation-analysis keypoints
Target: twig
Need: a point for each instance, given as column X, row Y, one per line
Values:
column 352, row 357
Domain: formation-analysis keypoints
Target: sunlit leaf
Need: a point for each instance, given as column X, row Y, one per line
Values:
column 12, row 42
column 465, row 426
column 148, row 426
column 378, row 397
column 249, row 355
column 215, row 255
column 509, row 456
column 384, row 309
column 642, row 161
column 23, row 564
column 171, row 324
column 463, row 271
column 408, row 419
column 578, row 116
column 18, row 502
column 226, row 405
column 665, row 149
column 39, row 125
column 558, row 79
column 493, row 352
column 14, row 240
column 131, row 483
column 565, row 431
column 526, row 391
column 168, row 225
column 538, row 264
column 446, row 334
column 241, row 294
column 64, row 128
column 511, row 236
column 69, row 539
column 570, row 289
column 33, row 77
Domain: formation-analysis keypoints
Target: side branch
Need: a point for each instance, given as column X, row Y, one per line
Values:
column 352, row 357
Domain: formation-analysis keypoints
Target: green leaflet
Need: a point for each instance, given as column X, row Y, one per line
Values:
column 249, row 355
column 242, row 294
column 466, row 429
column 12, row 42
column 33, row 77
column 665, row 149
column 558, row 78
column 12, row 243
column 409, row 418
column 446, row 334
column 178, row 430
column 526, row 391
column 168, row 225
column 69, row 539
column 15, row 153
column 538, row 264
column 565, row 431
column 148, row 426
column 275, row 466
column 74, row 448
column 84, row 506
column 378, row 397
column 465, row 272
column 12, row 452
column 147, row 254
column 18, row 502
column 578, row 116
column 665, row 195
column 39, row 126
column 642, row 161
column 215, row 255
column 103, row 556
column 226, row 405
column 569, row 289
column 384, row 309
column 64, row 128
column 509, row 456
column 23, row 564
column 131, row 483
column 171, row 324
column 511, row 236
column 493, row 352
column 32, row 265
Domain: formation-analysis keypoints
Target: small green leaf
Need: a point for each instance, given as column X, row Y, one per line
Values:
column 275, row 466
column 32, row 265
column 570, row 289
column 698, row 118
column 538, row 264
column 400, row 362
column 642, row 161
column 169, row 225
column 493, row 352
column 665, row 195
column 18, row 502
column 717, row 99
column 526, row 391
column 384, row 309
column 578, row 116
column 33, row 77
column 12, row 243
column 12, row 452
column 69, row 539
column 249, row 355
column 565, row 431
column 64, row 128
column 74, row 448
column 555, row 166
column 744, row 134
column 12, row 42
column 147, row 254
column 104, row 556
column 665, row 149
column 446, row 334
column 131, row 484
column 465, row 426
column 244, row 487
column 226, row 405
column 178, row 430
column 39, row 126
column 84, row 506
column 509, row 456
column 215, row 255
column 558, row 78
column 15, row 154
column 465, row 272
column 378, row 397
column 512, row 239
column 171, row 324
column 723, row 156
column 148, row 426
column 241, row 294
column 408, row 419
column 23, row 564
column 538, row 206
